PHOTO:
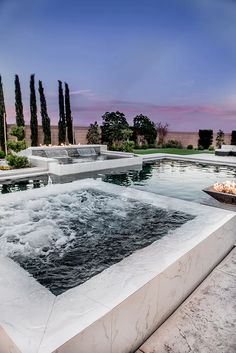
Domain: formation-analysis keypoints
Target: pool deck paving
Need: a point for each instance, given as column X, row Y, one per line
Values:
column 201, row 157
column 14, row 174
column 206, row 320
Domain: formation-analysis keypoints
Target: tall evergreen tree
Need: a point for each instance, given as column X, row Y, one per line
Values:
column 45, row 118
column 18, row 103
column 33, row 113
column 3, row 124
column 69, row 120
column 62, row 121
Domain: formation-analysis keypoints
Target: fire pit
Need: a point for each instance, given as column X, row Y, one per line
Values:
column 225, row 192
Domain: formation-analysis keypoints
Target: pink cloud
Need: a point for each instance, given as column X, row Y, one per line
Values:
column 134, row 107
column 180, row 117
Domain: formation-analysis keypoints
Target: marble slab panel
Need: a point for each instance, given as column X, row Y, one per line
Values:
column 116, row 310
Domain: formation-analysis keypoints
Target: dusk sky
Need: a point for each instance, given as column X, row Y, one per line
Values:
column 172, row 60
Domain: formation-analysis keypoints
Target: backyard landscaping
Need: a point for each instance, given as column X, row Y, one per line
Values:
column 180, row 151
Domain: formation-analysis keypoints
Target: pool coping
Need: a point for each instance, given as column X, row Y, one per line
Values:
column 91, row 317
column 206, row 158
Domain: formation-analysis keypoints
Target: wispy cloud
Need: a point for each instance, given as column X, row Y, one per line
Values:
column 138, row 107
column 82, row 92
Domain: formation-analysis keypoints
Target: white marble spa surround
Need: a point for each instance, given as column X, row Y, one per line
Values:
column 120, row 161
column 115, row 311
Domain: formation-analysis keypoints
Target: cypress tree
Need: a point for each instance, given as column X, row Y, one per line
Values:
column 3, row 125
column 62, row 121
column 45, row 118
column 33, row 114
column 18, row 103
column 69, row 120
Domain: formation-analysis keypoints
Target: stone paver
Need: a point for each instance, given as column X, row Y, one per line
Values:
column 201, row 157
column 206, row 321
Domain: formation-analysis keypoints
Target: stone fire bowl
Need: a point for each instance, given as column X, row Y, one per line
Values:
column 221, row 196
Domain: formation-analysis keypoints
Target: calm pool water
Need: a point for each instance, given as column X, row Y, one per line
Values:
column 178, row 179
column 183, row 180
column 26, row 184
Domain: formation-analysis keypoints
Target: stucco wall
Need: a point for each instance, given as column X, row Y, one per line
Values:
column 191, row 138
column 80, row 134
column 186, row 138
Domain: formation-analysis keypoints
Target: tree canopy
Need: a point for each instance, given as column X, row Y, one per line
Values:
column 113, row 126
column 93, row 135
column 143, row 126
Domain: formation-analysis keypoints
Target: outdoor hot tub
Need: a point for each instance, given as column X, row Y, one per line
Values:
column 65, row 239
column 77, row 259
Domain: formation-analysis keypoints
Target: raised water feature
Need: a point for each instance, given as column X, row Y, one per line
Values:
column 87, row 152
column 79, row 159
column 55, row 153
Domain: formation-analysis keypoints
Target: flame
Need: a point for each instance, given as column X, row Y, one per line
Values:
column 228, row 187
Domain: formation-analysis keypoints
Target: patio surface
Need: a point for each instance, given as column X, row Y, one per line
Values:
column 201, row 157
column 206, row 320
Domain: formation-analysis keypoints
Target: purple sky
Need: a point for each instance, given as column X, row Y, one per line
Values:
column 173, row 60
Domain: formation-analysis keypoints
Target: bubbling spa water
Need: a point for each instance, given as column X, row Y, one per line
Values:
column 63, row 240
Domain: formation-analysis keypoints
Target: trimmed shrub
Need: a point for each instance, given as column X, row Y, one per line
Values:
column 145, row 146
column 18, row 132
column 200, row 148
column 17, row 146
column 152, row 145
column 233, row 137
column 17, row 161
column 128, row 146
column 205, row 138
column 173, row 144
column 189, row 147
column 211, row 148
column 2, row 154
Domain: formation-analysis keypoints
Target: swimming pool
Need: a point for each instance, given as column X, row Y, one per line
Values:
column 24, row 184
column 183, row 180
